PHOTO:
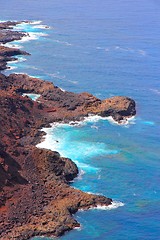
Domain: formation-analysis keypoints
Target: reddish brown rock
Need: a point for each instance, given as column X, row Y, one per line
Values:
column 39, row 174
column 35, row 197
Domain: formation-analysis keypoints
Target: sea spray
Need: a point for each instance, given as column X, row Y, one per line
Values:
column 114, row 205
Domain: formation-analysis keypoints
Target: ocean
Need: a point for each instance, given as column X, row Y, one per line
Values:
column 106, row 48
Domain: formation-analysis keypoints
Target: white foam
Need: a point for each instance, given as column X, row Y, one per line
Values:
column 90, row 119
column 41, row 27
column 55, row 144
column 32, row 36
column 95, row 118
column 12, row 62
column 48, row 143
column 62, row 90
column 19, row 59
column 80, row 175
column 11, row 45
column 114, row 205
column 78, row 228
column 22, row 25
column 126, row 122
column 35, row 76
column 26, row 39
column 30, row 32
column 37, row 34
column 21, row 73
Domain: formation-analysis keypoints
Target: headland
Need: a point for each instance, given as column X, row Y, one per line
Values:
column 36, row 198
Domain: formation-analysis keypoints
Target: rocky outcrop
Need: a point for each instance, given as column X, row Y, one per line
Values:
column 51, row 165
column 7, row 35
column 41, row 175
column 59, row 104
column 9, row 24
column 35, row 195
column 66, row 106
column 118, row 107
column 6, row 55
column 9, row 52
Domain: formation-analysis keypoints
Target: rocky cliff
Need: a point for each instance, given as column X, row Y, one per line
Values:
column 35, row 198
column 35, row 195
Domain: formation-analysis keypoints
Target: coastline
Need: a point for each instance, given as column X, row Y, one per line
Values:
column 57, row 201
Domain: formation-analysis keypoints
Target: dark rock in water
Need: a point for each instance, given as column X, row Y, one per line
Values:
column 6, row 55
column 35, row 195
column 117, row 117
column 118, row 107
column 8, row 52
column 9, row 36
column 9, row 24
column 6, row 36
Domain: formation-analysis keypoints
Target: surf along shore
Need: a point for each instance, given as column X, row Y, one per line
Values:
column 36, row 198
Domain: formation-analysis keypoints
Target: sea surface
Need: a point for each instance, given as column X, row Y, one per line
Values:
column 106, row 48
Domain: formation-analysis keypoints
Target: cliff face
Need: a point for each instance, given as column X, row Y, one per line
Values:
column 35, row 195
column 35, row 198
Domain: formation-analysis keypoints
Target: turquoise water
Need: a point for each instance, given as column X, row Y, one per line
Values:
column 33, row 96
column 107, row 48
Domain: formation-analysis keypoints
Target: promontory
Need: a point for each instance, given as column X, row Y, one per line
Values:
column 36, row 196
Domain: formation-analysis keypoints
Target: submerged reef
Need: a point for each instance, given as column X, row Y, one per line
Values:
column 35, row 194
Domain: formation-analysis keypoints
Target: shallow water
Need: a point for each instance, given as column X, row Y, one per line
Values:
column 106, row 48
column 33, row 96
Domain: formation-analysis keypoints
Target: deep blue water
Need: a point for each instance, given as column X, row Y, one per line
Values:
column 106, row 48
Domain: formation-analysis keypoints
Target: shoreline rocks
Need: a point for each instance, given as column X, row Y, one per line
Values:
column 8, row 35
column 35, row 195
column 68, row 106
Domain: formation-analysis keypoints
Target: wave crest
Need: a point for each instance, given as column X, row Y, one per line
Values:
column 114, row 205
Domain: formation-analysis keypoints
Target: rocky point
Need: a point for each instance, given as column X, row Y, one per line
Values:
column 36, row 197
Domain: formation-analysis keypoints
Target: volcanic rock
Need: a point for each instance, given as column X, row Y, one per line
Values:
column 35, row 193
